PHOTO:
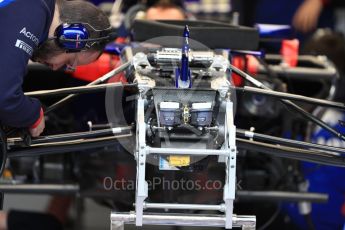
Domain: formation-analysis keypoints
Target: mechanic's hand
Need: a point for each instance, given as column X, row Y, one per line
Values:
column 37, row 128
column 307, row 15
column 3, row 220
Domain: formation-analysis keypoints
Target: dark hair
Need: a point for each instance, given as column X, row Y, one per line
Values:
column 126, row 5
column 332, row 45
column 72, row 12
column 165, row 3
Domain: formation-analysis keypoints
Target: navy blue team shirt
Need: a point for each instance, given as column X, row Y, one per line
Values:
column 24, row 24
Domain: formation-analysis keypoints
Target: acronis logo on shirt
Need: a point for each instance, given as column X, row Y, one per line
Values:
column 4, row 3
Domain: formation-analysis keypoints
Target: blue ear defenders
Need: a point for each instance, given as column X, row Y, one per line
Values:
column 75, row 37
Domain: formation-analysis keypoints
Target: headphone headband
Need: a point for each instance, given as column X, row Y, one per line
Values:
column 75, row 37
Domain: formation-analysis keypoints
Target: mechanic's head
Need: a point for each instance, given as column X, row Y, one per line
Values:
column 56, row 57
column 165, row 10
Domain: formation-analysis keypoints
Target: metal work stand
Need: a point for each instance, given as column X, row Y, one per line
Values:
column 226, row 154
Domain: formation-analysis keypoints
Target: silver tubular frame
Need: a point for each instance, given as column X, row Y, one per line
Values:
column 226, row 154
column 178, row 219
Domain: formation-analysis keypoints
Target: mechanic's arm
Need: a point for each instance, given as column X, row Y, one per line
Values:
column 38, row 127
column 23, row 31
column 307, row 15
column 16, row 109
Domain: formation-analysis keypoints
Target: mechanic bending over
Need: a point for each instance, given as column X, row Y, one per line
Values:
column 29, row 27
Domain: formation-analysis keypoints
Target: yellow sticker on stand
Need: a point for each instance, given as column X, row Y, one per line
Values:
column 179, row 161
